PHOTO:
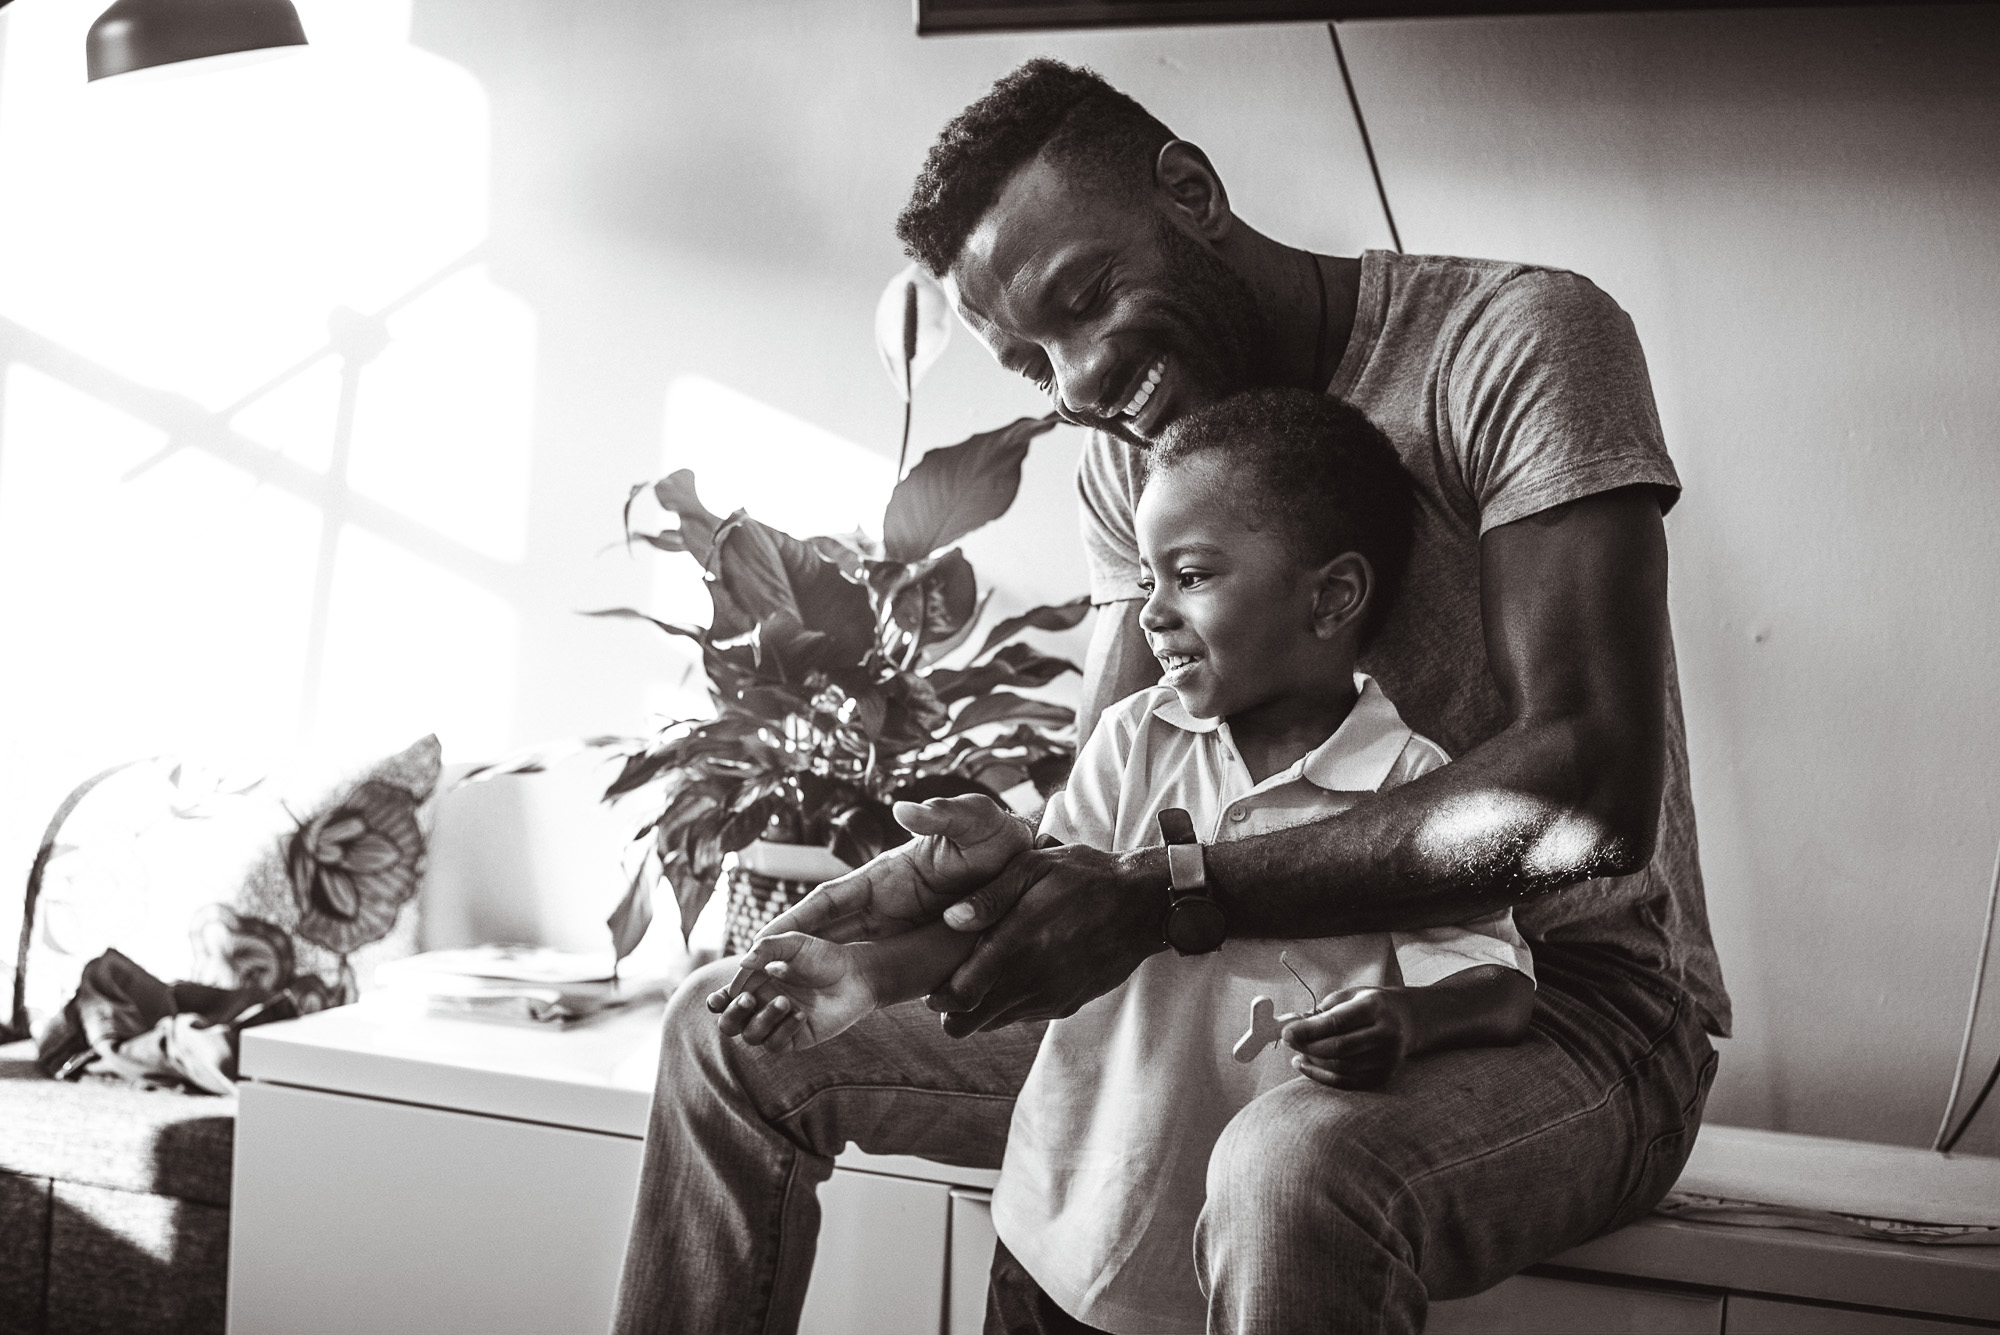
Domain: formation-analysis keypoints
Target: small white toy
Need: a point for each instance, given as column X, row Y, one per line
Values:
column 1266, row 1024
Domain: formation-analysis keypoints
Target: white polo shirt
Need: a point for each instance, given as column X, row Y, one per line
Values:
column 1107, row 1158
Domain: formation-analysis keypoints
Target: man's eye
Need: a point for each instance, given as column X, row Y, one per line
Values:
column 1091, row 301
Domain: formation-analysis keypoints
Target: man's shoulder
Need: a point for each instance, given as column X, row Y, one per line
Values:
column 1496, row 293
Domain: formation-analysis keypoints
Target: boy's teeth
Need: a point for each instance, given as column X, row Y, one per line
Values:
column 1145, row 390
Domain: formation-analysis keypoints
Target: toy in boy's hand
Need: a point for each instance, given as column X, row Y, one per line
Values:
column 1266, row 1026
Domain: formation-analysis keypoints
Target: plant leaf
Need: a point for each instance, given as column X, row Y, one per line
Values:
column 954, row 490
column 758, row 573
column 676, row 492
column 694, row 633
column 1016, row 665
column 1060, row 616
column 1005, row 705
column 933, row 653
column 632, row 916
column 942, row 601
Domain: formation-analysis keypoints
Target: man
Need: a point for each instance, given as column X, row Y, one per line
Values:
column 1096, row 253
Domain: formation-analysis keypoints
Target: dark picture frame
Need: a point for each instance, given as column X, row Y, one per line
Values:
column 935, row 17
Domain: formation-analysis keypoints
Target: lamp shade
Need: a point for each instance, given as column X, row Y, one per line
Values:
column 138, row 34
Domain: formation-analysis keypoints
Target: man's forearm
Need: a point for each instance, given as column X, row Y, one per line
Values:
column 1512, row 821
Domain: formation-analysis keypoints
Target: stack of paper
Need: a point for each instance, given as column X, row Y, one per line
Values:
column 524, row 983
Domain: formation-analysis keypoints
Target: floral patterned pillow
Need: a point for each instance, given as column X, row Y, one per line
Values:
column 281, row 885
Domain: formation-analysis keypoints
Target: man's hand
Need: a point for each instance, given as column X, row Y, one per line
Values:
column 962, row 843
column 1063, row 926
column 1357, row 1040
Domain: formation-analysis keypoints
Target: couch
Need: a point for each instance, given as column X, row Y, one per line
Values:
column 114, row 1206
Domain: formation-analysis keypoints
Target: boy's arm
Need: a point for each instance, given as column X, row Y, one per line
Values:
column 903, row 968
column 1365, row 1033
column 794, row 991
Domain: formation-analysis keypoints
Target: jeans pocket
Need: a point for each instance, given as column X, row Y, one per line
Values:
column 1666, row 1154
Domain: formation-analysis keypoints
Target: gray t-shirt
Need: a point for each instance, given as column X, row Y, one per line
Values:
column 1507, row 390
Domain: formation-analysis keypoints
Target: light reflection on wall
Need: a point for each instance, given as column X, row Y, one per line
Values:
column 265, row 444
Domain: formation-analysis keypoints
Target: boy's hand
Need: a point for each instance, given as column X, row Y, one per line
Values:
column 1357, row 1041
column 961, row 844
column 803, row 992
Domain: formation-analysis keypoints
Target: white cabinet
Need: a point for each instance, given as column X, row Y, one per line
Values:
column 407, row 1176
column 355, row 1216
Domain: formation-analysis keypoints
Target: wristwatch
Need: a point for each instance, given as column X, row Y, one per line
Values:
column 1194, row 924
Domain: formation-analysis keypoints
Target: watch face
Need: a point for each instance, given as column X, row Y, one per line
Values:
column 1195, row 926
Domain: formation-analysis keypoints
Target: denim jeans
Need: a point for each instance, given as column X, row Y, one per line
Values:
column 1335, row 1210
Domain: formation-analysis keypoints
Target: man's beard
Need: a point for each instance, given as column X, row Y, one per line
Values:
column 1220, row 338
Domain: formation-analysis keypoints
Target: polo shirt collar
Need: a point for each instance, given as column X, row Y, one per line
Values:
column 1356, row 759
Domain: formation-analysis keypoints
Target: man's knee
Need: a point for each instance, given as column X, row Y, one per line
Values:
column 695, row 1060
column 1302, row 1149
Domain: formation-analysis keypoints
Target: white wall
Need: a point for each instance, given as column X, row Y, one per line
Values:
column 1802, row 212
column 1797, row 207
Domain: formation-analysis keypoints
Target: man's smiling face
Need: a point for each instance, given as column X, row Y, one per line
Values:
column 1107, row 301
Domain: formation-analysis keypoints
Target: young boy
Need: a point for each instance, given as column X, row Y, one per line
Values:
column 1274, row 527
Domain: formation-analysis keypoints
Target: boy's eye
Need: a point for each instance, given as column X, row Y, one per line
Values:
column 1190, row 578
column 1145, row 583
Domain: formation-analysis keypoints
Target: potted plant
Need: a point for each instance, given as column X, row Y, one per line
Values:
column 842, row 681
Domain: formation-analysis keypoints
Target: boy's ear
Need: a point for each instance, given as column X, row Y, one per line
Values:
column 1342, row 588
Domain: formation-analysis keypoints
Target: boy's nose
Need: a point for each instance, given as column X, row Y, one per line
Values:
column 1157, row 614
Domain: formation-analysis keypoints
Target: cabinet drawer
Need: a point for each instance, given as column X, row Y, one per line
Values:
column 1769, row 1316
column 881, row 1263
column 1540, row 1305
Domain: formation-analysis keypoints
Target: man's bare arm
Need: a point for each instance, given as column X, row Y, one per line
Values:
column 1574, row 604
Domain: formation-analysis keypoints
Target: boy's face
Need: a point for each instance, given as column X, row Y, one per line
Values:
column 1229, row 608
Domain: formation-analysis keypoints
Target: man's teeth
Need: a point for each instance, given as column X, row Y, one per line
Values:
column 1146, row 390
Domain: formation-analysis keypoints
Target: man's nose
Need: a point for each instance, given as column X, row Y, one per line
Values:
column 1084, row 374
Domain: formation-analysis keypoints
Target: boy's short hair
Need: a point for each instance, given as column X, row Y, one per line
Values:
column 1098, row 135
column 1317, row 466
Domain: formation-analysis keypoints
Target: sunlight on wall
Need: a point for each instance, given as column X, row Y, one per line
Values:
column 265, row 446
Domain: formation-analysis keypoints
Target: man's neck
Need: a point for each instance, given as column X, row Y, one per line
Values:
column 1286, row 283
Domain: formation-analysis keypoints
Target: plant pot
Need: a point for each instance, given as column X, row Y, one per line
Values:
column 766, row 880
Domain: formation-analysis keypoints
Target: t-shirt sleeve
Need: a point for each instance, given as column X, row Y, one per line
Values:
column 1108, row 479
column 1428, row 954
column 1086, row 810
column 1549, row 401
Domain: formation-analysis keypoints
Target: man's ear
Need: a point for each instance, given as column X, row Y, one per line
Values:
column 1187, row 178
column 1341, row 591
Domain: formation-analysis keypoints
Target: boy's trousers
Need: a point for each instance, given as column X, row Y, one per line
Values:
column 1328, row 1210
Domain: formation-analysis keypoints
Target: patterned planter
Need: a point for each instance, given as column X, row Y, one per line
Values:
column 766, row 880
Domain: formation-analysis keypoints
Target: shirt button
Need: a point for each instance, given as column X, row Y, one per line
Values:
column 1239, row 814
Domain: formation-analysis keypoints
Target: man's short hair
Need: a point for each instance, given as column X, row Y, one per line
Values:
column 1098, row 135
column 1319, row 468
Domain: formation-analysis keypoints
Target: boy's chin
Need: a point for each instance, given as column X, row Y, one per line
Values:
column 1200, row 704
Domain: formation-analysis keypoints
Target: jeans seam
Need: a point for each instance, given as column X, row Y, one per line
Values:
column 770, row 1286
column 817, row 1094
